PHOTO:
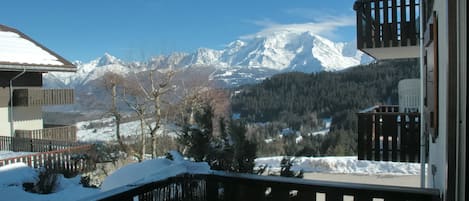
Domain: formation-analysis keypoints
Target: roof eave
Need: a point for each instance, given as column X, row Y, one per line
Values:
column 32, row 68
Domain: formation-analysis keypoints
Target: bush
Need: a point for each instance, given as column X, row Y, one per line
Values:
column 286, row 171
column 47, row 183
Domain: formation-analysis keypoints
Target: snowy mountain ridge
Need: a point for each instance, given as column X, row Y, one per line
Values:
column 281, row 51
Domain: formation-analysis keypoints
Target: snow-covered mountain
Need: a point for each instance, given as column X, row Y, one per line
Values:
column 250, row 59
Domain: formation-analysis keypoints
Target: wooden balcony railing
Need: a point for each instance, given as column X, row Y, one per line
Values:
column 50, row 132
column 34, row 145
column 38, row 97
column 221, row 186
column 72, row 160
column 388, row 23
column 384, row 134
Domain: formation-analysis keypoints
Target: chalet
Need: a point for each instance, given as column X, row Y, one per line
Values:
column 436, row 32
column 22, row 64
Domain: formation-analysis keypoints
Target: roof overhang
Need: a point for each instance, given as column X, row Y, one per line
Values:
column 30, row 68
column 58, row 64
column 400, row 52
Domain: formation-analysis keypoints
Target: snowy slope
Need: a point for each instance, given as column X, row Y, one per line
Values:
column 246, row 58
column 87, row 72
column 87, row 133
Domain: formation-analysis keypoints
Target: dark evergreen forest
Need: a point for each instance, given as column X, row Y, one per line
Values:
column 298, row 101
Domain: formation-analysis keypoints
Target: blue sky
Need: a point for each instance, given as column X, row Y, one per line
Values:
column 136, row 29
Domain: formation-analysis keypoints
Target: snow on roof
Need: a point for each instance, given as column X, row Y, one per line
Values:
column 18, row 52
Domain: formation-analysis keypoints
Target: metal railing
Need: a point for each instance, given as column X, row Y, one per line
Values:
column 38, row 97
column 222, row 186
column 384, row 134
column 50, row 132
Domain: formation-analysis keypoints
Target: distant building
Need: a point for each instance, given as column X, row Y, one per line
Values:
column 22, row 64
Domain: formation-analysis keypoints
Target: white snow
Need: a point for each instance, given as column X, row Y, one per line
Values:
column 343, row 165
column 282, row 50
column 14, row 175
column 11, row 154
column 153, row 170
column 16, row 49
column 108, row 133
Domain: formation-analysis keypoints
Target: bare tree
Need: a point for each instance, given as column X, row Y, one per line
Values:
column 112, row 82
column 158, row 87
column 136, row 102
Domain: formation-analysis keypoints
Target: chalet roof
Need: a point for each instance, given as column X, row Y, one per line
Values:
column 19, row 52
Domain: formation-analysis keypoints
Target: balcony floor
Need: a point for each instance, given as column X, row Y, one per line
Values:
column 388, row 180
column 392, row 52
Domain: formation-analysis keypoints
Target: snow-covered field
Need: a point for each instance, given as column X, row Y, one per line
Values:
column 87, row 133
column 342, row 165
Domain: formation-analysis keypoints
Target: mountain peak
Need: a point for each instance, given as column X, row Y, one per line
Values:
column 108, row 59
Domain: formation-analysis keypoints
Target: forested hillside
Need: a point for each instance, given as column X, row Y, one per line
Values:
column 296, row 100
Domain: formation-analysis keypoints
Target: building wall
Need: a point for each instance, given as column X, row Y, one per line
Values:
column 448, row 154
column 462, row 193
column 4, row 116
column 437, row 168
column 26, row 118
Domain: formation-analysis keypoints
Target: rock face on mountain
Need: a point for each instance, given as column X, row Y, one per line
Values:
column 247, row 60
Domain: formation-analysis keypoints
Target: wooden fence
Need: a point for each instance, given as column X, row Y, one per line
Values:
column 72, row 160
column 34, row 145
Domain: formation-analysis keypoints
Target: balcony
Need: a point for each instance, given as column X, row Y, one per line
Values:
column 50, row 132
column 384, row 134
column 388, row 29
column 221, row 186
column 39, row 97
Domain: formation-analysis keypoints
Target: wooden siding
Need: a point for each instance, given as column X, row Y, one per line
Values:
column 61, row 133
column 29, row 79
column 38, row 97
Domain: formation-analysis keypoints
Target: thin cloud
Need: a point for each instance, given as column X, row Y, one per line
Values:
column 326, row 25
